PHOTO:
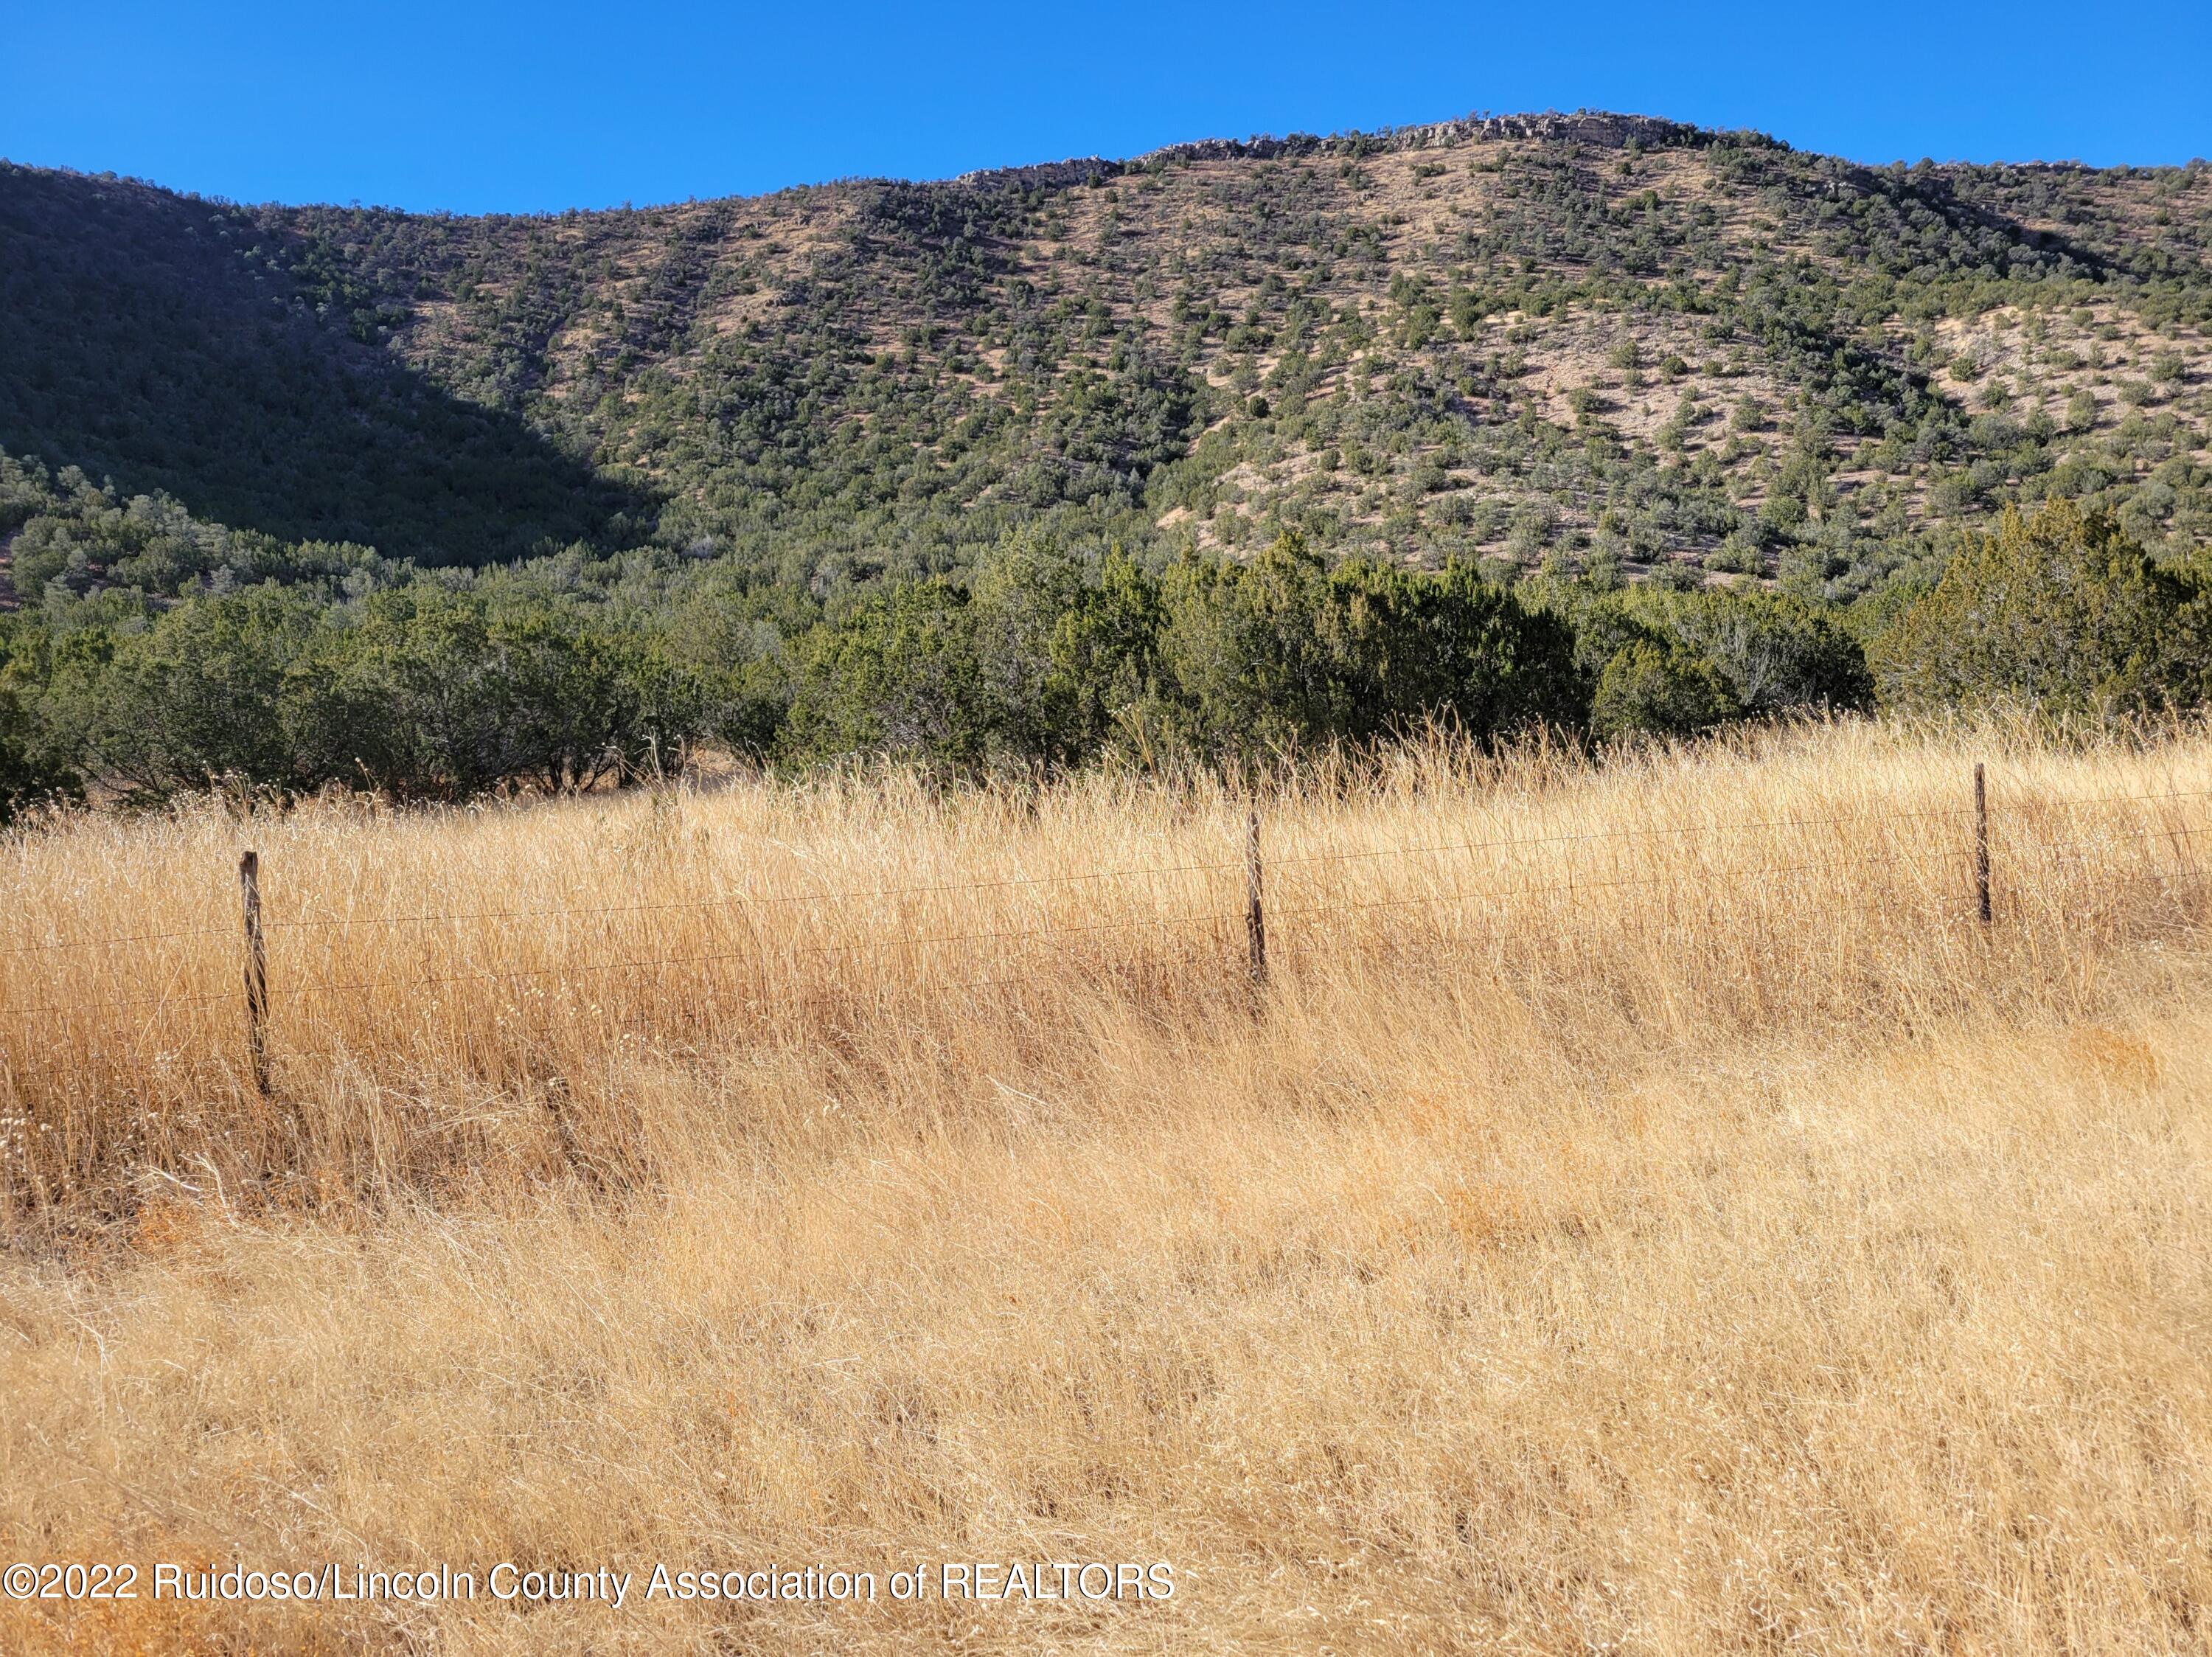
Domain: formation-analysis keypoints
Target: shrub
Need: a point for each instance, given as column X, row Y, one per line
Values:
column 193, row 700
column 1739, row 554
column 1776, row 653
column 898, row 675
column 1660, row 690
column 434, row 696
column 2060, row 613
column 32, row 768
column 1107, row 647
column 1282, row 651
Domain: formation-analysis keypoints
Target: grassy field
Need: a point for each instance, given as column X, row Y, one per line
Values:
column 1644, row 1211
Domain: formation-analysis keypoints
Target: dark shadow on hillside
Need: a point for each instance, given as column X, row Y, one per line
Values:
column 162, row 341
column 1998, row 234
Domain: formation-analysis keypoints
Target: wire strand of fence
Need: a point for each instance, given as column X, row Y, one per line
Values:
column 112, row 942
column 1516, row 842
column 750, row 900
column 1137, row 872
column 1572, row 882
column 1202, row 919
column 672, row 906
column 711, row 957
column 1711, row 830
column 1576, row 885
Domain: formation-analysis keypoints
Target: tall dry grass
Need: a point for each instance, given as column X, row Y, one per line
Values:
column 1645, row 1211
column 449, row 992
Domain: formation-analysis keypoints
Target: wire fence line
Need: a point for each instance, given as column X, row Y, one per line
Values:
column 1215, row 918
column 854, row 896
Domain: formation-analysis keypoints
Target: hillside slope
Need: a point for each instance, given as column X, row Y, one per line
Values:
column 1595, row 339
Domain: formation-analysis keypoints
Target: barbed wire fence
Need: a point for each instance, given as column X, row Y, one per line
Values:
column 1218, row 921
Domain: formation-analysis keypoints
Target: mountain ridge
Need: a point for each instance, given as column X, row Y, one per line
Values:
column 1606, row 127
column 1585, row 338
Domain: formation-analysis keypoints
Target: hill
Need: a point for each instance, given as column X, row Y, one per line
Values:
column 1612, row 343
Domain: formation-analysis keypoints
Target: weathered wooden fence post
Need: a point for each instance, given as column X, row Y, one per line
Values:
column 1981, row 846
column 1255, row 918
column 256, row 972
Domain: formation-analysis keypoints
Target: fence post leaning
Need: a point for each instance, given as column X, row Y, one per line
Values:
column 1981, row 846
column 256, row 972
column 1255, row 918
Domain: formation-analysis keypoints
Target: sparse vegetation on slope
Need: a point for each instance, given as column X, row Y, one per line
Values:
column 768, row 446
column 1590, row 338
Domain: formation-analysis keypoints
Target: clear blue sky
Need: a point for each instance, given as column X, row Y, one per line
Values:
column 526, row 106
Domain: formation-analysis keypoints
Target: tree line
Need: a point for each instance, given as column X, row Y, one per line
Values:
column 1046, row 658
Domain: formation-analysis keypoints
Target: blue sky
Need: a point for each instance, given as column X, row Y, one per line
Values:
column 514, row 107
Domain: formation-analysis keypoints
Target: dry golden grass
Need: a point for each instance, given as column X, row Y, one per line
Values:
column 1616, row 1227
